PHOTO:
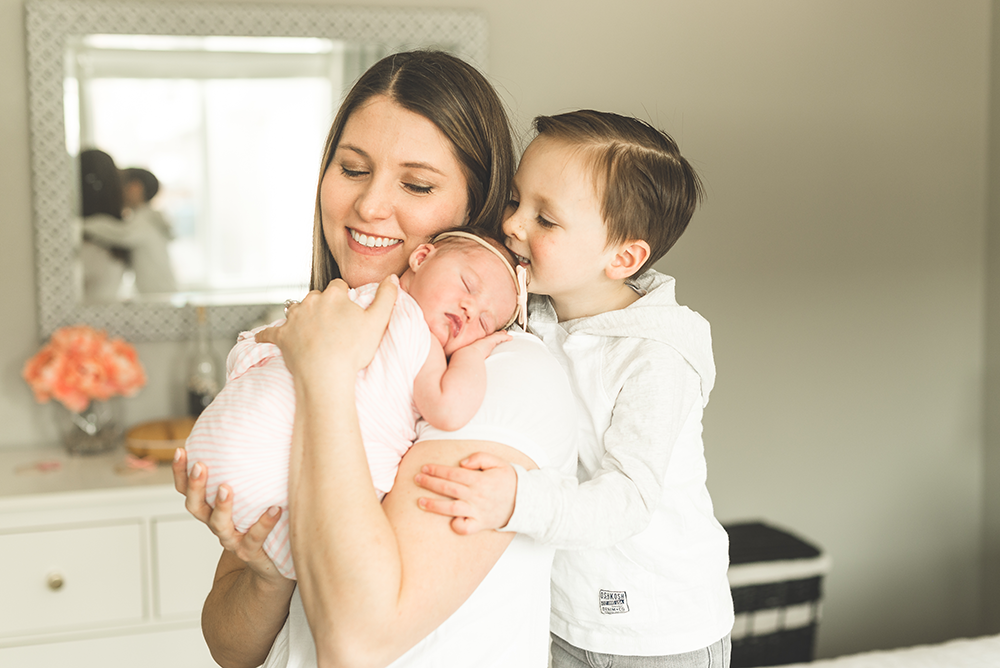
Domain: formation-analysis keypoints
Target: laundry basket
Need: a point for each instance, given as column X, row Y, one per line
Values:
column 776, row 580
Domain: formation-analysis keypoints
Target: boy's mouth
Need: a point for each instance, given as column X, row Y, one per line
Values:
column 521, row 260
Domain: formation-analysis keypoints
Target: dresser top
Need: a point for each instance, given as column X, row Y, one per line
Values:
column 52, row 470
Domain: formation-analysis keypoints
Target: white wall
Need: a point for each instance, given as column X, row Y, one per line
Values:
column 839, row 257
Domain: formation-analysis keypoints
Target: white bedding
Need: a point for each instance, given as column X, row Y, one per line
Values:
column 966, row 653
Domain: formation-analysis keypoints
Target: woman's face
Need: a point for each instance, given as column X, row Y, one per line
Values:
column 393, row 182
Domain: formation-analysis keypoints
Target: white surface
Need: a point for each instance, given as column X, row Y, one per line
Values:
column 965, row 653
column 135, row 567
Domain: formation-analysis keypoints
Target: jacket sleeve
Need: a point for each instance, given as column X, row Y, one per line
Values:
column 659, row 392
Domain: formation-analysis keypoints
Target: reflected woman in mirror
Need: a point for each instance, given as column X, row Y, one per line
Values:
column 421, row 143
column 144, row 233
column 101, row 202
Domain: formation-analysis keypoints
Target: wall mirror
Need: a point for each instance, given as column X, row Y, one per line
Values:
column 228, row 105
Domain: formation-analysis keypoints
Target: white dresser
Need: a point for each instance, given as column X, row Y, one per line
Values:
column 100, row 565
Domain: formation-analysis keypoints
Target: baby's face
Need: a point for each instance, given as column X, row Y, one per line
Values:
column 465, row 293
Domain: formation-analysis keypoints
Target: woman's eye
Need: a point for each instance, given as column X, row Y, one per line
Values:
column 352, row 173
column 417, row 189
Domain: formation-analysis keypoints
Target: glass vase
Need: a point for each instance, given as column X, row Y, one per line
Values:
column 95, row 429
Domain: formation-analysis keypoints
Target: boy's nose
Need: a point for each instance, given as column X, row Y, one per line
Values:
column 513, row 227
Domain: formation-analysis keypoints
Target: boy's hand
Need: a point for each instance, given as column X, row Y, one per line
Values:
column 481, row 492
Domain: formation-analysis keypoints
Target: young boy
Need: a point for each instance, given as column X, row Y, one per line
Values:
column 458, row 292
column 598, row 199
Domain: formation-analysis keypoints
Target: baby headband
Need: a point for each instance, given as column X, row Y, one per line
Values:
column 520, row 276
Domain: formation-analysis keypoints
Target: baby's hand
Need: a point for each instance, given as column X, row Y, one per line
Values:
column 480, row 492
column 484, row 346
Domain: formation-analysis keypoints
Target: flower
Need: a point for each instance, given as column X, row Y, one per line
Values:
column 80, row 364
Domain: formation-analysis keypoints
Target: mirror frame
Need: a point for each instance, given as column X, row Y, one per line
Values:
column 49, row 23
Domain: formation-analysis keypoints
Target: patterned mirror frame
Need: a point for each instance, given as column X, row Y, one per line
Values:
column 49, row 23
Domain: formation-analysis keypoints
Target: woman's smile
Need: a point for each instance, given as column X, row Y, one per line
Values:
column 372, row 241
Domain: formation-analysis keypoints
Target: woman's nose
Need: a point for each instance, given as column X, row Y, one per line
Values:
column 374, row 203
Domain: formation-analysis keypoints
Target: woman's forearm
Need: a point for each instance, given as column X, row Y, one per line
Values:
column 243, row 614
column 345, row 550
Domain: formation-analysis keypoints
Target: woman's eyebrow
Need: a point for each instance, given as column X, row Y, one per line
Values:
column 423, row 165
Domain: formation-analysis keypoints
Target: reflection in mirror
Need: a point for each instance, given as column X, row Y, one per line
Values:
column 230, row 129
column 227, row 106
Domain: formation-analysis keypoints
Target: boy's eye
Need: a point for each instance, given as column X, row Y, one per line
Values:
column 545, row 223
column 513, row 203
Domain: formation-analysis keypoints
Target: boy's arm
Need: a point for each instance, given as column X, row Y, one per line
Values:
column 617, row 502
column 448, row 393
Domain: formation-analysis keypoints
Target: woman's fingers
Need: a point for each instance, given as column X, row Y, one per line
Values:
column 194, row 496
column 179, row 469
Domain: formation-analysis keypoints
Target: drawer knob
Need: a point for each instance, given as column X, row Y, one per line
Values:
column 55, row 581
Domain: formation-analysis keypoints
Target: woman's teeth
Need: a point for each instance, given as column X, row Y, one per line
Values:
column 372, row 241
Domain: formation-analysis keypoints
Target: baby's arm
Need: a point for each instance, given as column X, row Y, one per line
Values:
column 448, row 393
column 616, row 503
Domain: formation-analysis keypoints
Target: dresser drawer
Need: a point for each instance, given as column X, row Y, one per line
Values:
column 70, row 578
column 185, row 554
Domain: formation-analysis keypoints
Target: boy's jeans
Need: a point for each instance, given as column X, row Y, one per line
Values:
column 565, row 655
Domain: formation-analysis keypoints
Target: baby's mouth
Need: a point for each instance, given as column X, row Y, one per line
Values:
column 371, row 241
column 454, row 323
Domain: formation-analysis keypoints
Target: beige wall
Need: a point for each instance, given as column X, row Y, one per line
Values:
column 839, row 257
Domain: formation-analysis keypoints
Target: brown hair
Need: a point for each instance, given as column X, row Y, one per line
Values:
column 459, row 100
column 647, row 190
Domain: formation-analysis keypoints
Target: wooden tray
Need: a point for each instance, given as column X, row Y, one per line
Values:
column 158, row 439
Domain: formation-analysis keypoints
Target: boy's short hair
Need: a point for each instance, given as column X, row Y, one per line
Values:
column 150, row 184
column 647, row 190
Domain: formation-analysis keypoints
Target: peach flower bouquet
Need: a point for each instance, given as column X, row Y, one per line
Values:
column 80, row 364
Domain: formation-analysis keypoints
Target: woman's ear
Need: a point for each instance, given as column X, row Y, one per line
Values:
column 419, row 254
column 630, row 257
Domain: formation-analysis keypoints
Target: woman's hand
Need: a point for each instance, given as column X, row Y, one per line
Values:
column 328, row 333
column 249, row 546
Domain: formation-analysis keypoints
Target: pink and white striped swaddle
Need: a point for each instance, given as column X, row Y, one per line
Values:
column 244, row 436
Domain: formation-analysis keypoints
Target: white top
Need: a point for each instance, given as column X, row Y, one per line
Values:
column 646, row 570
column 505, row 622
column 146, row 234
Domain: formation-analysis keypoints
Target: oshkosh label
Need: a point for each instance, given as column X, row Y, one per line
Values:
column 613, row 602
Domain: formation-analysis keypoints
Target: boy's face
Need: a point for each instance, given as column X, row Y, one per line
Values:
column 554, row 222
column 465, row 293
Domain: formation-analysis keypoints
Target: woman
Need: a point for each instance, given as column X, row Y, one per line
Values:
column 101, row 201
column 420, row 144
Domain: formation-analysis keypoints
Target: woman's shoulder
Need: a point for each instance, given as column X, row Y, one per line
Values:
column 529, row 404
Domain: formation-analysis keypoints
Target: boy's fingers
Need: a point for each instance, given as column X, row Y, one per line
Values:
column 446, row 507
column 453, row 473
column 464, row 526
column 440, row 486
column 480, row 461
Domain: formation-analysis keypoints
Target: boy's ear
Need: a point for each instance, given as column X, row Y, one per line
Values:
column 419, row 254
column 630, row 256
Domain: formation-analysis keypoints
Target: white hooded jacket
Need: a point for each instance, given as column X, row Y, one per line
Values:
column 644, row 561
